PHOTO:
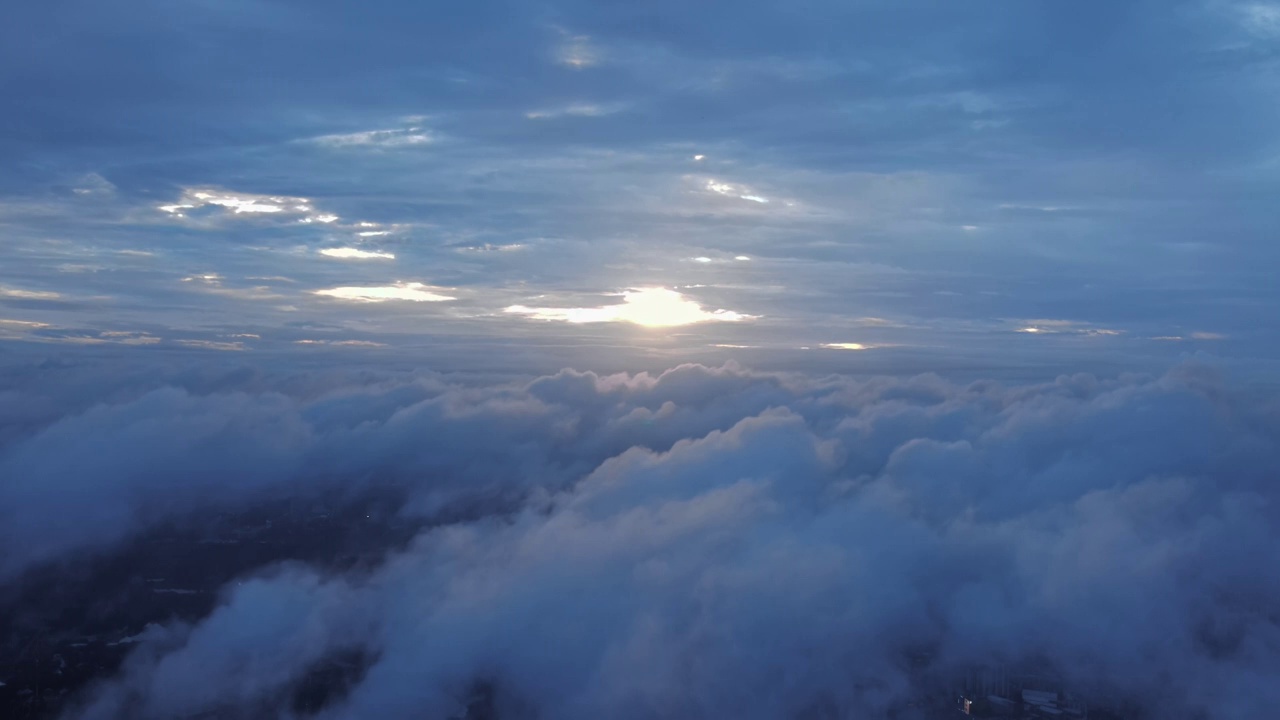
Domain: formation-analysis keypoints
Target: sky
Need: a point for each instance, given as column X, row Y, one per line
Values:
column 768, row 360
column 530, row 185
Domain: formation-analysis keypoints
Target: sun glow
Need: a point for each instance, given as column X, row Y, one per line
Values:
column 648, row 307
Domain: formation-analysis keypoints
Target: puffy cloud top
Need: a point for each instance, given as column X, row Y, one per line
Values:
column 704, row 542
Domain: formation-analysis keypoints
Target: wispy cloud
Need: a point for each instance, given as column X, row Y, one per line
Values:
column 393, row 138
column 213, row 345
column 738, row 191
column 574, row 110
column 650, row 307
column 245, row 205
column 577, row 52
column 22, row 294
column 347, row 253
column 409, row 291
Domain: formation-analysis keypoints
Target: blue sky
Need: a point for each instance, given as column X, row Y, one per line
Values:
column 804, row 184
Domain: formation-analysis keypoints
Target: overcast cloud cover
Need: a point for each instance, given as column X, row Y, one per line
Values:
column 732, row 359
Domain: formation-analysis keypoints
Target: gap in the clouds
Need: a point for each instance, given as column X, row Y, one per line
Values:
column 329, row 680
column 67, row 624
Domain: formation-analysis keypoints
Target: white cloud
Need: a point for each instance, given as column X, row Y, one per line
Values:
column 23, row 323
column 737, row 191
column 410, row 291
column 650, row 307
column 237, row 204
column 574, row 110
column 212, row 284
column 341, row 343
column 1102, row 530
column 93, row 184
column 488, row 247
column 346, row 253
column 129, row 337
column 1059, row 327
column 578, row 52
column 20, row 294
column 396, row 138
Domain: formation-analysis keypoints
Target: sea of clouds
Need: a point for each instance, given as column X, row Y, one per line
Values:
column 700, row 543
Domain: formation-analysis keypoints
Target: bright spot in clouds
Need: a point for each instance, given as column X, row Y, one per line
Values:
column 412, row 291
column 845, row 346
column 650, row 307
column 246, row 204
column 737, row 191
column 356, row 254
column 238, row 204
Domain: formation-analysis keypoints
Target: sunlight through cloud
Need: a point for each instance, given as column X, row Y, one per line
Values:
column 737, row 191
column 246, row 205
column 404, row 137
column 649, row 307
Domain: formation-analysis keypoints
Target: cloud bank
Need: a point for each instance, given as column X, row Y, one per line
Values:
column 706, row 542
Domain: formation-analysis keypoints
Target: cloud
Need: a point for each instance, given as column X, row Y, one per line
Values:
column 701, row 542
column 346, row 253
column 650, row 307
column 396, row 138
column 341, row 343
column 196, row 201
column 412, row 291
column 215, row 284
column 1261, row 19
column 577, row 52
column 1057, row 327
column 738, row 191
column 574, row 110
column 235, row 346
column 22, row 294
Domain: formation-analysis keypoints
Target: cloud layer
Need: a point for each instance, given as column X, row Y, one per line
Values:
column 961, row 169
column 704, row 542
